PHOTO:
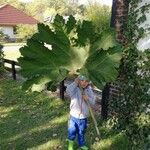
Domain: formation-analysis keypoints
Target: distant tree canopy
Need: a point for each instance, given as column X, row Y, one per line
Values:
column 18, row 4
column 99, row 14
column 25, row 31
column 41, row 10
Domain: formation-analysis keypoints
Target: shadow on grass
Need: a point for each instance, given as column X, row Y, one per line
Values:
column 31, row 119
column 36, row 122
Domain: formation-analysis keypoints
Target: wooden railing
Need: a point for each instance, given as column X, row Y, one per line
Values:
column 12, row 68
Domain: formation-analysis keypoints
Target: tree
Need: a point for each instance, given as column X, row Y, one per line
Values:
column 40, row 9
column 25, row 31
column 99, row 15
column 15, row 3
column 66, row 48
column 37, row 8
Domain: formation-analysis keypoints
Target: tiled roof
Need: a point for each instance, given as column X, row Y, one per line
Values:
column 10, row 15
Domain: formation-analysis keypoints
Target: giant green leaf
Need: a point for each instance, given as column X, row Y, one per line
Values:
column 70, row 47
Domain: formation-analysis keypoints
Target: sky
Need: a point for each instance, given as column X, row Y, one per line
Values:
column 106, row 2
column 25, row 1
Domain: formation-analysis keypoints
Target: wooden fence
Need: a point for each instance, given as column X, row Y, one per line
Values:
column 108, row 89
column 12, row 69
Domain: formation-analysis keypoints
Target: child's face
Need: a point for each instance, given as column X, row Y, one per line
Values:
column 83, row 83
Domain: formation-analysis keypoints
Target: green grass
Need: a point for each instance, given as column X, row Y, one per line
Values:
column 37, row 121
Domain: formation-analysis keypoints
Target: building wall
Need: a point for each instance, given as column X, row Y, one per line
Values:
column 8, row 30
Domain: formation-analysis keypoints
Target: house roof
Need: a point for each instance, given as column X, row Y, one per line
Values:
column 10, row 15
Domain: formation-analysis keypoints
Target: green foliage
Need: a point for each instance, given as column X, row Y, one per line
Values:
column 3, row 37
column 99, row 15
column 134, row 30
column 18, row 4
column 45, row 9
column 1, row 60
column 49, row 8
column 131, row 110
column 1, row 33
column 25, row 31
column 70, row 47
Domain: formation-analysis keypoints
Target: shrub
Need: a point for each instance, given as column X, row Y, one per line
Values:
column 1, row 60
column 25, row 31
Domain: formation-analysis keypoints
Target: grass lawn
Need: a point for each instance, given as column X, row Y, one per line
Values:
column 36, row 121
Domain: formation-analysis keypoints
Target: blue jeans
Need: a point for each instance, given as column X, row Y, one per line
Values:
column 77, row 127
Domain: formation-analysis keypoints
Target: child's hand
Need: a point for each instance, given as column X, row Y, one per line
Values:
column 76, row 81
column 85, row 97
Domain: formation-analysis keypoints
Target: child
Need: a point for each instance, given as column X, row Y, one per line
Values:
column 79, row 91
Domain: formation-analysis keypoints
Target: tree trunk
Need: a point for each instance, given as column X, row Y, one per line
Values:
column 121, row 16
column 104, row 101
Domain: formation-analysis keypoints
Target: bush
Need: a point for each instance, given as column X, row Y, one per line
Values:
column 3, row 37
column 25, row 31
column 99, row 15
column 1, row 60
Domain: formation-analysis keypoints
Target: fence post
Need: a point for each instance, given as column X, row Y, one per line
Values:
column 104, row 101
column 61, row 88
column 13, row 70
